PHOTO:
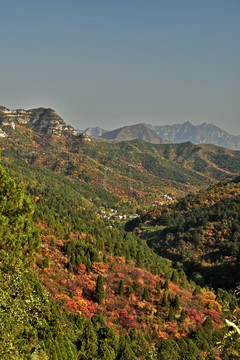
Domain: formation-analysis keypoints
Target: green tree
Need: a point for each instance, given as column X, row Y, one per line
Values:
column 182, row 315
column 197, row 290
column 46, row 262
column 125, row 352
column 158, row 289
column 168, row 350
column 99, row 290
column 146, row 295
column 164, row 301
column 208, row 324
column 121, row 287
column 175, row 303
column 174, row 277
column 130, row 290
column 166, row 285
column 88, row 345
column 171, row 316
column 16, row 225
column 141, row 347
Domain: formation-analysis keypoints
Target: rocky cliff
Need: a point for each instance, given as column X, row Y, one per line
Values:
column 41, row 119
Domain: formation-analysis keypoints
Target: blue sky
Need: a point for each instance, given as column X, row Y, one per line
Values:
column 113, row 63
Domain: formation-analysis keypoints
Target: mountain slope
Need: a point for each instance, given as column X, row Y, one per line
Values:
column 132, row 132
column 58, row 314
column 156, row 169
column 198, row 134
column 200, row 231
column 97, row 165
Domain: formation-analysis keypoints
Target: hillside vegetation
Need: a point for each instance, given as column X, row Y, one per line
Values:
column 68, row 294
column 201, row 232
column 155, row 169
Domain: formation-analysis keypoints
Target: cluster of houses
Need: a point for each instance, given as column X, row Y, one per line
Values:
column 113, row 214
column 166, row 200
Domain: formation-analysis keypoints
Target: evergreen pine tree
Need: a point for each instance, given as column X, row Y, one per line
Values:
column 169, row 298
column 166, row 285
column 121, row 287
column 146, row 295
column 175, row 303
column 183, row 315
column 46, row 262
column 88, row 347
column 164, row 301
column 174, row 277
column 99, row 290
column 171, row 316
column 125, row 352
column 208, row 324
column 52, row 242
column 130, row 290
column 88, row 264
column 158, row 290
column 104, row 259
column 197, row 290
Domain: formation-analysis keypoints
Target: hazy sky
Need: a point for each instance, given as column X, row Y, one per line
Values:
column 116, row 62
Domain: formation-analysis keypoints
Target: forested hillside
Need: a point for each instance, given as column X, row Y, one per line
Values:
column 101, row 170
column 201, row 232
column 72, row 289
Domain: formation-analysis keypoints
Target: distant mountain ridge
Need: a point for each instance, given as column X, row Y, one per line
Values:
column 139, row 131
column 157, row 169
column 47, row 121
column 198, row 134
column 95, row 132
column 177, row 133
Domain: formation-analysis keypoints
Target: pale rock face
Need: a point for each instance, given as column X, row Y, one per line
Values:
column 42, row 120
column 6, row 111
column 85, row 137
column 2, row 133
column 21, row 116
column 8, row 123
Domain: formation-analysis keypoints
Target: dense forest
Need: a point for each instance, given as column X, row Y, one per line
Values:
column 73, row 293
column 200, row 232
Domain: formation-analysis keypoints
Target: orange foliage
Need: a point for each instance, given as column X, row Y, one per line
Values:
column 99, row 268
column 212, row 304
column 162, row 334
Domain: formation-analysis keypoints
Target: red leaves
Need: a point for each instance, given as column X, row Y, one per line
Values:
column 81, row 269
column 75, row 292
column 71, row 305
column 215, row 316
column 126, row 319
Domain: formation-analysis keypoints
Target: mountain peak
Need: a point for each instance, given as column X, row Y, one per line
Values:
column 43, row 120
column 95, row 132
column 204, row 133
column 131, row 132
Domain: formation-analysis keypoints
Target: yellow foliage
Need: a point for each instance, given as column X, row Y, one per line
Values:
column 99, row 268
